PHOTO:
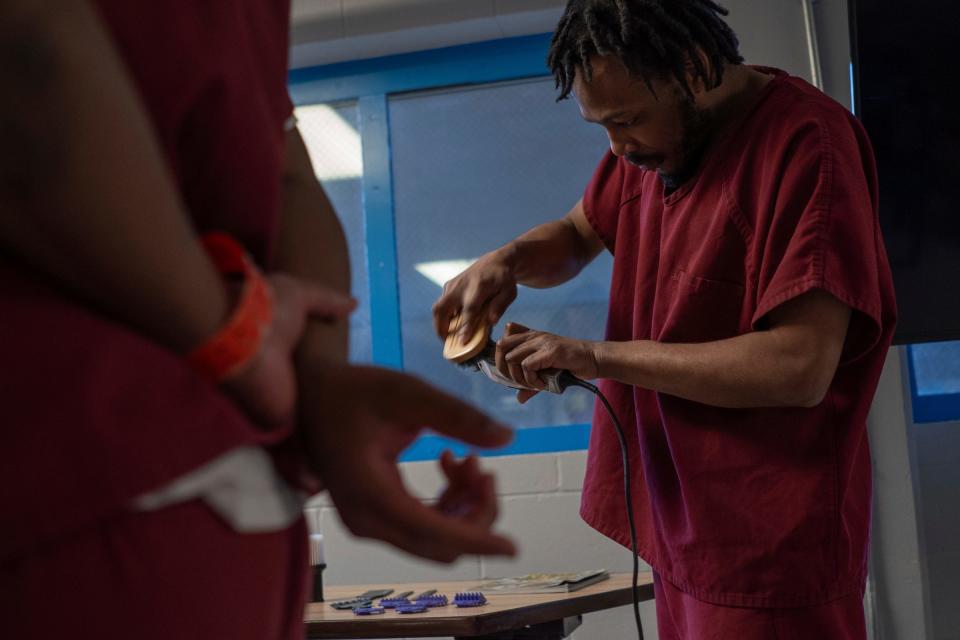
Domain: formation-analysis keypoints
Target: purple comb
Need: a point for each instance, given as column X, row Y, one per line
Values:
column 470, row 599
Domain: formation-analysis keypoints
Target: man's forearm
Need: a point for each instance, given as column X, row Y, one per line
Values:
column 791, row 364
column 551, row 253
column 753, row 370
column 85, row 196
column 545, row 256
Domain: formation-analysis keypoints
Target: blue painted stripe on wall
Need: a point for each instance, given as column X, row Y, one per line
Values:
column 380, row 231
column 571, row 437
column 481, row 62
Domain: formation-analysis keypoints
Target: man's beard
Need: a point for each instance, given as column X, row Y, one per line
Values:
column 696, row 126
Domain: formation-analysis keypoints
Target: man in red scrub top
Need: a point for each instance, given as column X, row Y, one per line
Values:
column 750, row 313
column 158, row 425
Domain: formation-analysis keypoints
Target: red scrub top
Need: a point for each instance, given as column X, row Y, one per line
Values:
column 93, row 413
column 761, row 507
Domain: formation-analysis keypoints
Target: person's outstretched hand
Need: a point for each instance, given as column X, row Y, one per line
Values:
column 266, row 388
column 356, row 421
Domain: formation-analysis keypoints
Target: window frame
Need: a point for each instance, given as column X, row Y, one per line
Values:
column 371, row 83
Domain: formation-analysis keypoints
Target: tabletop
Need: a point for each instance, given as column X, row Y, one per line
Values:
column 503, row 612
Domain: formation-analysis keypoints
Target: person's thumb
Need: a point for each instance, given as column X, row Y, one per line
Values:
column 320, row 302
column 514, row 328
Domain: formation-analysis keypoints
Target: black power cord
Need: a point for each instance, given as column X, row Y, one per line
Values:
column 559, row 381
column 569, row 379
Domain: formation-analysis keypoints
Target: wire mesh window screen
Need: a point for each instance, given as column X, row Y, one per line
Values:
column 473, row 167
column 331, row 134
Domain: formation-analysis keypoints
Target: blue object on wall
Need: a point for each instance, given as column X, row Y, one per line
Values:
column 934, row 396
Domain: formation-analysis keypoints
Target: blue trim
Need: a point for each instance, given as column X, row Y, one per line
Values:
column 481, row 62
column 944, row 407
column 571, row 437
column 380, row 232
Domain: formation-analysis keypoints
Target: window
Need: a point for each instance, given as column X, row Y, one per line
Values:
column 447, row 155
column 331, row 135
column 935, row 381
column 474, row 167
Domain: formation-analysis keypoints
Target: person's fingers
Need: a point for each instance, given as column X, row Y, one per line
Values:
column 474, row 501
column 472, row 315
column 398, row 518
column 444, row 310
column 325, row 303
column 484, row 506
column 531, row 376
column 515, row 359
column 532, row 364
column 515, row 328
column 500, row 357
column 448, row 464
column 471, row 466
column 515, row 371
column 460, row 474
column 514, row 336
column 409, row 402
column 465, row 485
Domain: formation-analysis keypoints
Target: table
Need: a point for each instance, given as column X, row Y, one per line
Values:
column 505, row 617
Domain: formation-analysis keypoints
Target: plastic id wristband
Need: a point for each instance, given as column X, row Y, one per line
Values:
column 239, row 340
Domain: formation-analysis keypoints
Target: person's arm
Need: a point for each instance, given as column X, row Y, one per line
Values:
column 355, row 421
column 791, row 364
column 554, row 252
column 313, row 247
column 87, row 201
column 546, row 256
column 85, row 197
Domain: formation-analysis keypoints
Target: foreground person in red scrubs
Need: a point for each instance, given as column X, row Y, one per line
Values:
column 162, row 420
column 750, row 313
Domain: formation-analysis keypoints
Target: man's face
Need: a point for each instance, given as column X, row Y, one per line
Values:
column 662, row 132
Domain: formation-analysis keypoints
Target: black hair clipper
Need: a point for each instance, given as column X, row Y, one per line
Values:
column 557, row 380
column 478, row 352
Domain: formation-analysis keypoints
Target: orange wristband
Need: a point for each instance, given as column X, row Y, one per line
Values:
column 239, row 340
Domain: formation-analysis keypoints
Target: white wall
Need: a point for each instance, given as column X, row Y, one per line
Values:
column 540, row 499
column 897, row 583
column 937, row 449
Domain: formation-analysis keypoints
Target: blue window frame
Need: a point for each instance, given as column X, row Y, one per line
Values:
column 371, row 84
column 935, row 381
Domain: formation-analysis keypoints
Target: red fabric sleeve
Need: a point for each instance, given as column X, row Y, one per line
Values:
column 823, row 231
column 602, row 199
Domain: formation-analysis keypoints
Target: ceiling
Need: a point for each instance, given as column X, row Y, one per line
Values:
column 327, row 31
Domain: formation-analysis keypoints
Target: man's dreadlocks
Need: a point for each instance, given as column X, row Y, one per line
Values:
column 653, row 38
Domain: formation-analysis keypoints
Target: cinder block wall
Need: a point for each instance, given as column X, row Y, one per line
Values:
column 539, row 501
column 938, row 459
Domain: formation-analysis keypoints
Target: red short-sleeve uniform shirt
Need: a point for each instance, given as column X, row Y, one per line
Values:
column 746, row 507
column 93, row 413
